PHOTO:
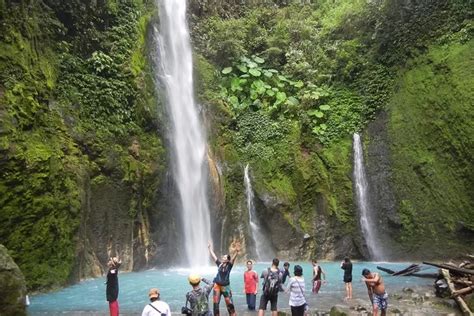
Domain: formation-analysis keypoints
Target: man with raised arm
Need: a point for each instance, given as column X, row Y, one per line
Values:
column 376, row 291
column 222, row 279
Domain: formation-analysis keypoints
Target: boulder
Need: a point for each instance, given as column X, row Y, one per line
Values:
column 338, row 311
column 12, row 286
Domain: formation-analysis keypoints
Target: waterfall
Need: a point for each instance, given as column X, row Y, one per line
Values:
column 263, row 248
column 366, row 213
column 188, row 137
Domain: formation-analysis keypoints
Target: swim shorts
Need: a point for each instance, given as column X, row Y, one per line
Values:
column 381, row 300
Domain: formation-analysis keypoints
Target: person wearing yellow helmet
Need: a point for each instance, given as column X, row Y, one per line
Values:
column 198, row 298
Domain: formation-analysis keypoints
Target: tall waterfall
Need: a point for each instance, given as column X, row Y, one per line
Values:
column 263, row 248
column 189, row 145
column 366, row 213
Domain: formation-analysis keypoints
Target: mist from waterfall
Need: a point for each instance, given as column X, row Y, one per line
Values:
column 188, row 137
column 263, row 248
column 367, row 222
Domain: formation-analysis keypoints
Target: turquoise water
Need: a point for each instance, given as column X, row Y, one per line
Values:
column 89, row 295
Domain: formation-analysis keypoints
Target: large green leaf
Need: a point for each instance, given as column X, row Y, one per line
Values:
column 298, row 84
column 280, row 97
column 292, row 101
column 267, row 73
column 259, row 86
column 259, row 60
column 234, row 101
column 255, row 72
column 226, row 70
column 235, row 84
column 242, row 68
column 316, row 113
column 251, row 64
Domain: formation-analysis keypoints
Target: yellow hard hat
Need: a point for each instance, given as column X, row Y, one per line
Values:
column 194, row 278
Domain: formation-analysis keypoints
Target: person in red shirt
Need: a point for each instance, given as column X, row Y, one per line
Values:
column 250, row 282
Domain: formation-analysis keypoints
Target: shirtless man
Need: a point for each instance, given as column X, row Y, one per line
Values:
column 317, row 273
column 376, row 290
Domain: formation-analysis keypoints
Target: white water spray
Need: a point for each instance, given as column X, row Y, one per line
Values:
column 263, row 248
column 366, row 221
column 189, row 161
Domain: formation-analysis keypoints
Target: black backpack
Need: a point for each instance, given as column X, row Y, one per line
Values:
column 271, row 285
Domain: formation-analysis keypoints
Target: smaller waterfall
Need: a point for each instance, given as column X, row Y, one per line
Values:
column 366, row 213
column 263, row 248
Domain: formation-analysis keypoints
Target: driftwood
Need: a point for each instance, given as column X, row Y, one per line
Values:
column 463, row 282
column 451, row 268
column 461, row 303
column 425, row 275
column 464, row 291
column 385, row 270
column 411, row 270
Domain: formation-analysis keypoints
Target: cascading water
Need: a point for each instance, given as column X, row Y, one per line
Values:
column 189, row 161
column 263, row 247
column 366, row 222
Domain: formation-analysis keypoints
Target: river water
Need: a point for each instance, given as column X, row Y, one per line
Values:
column 88, row 297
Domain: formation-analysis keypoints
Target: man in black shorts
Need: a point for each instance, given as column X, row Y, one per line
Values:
column 271, row 286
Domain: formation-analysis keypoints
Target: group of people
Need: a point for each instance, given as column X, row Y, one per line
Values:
column 274, row 279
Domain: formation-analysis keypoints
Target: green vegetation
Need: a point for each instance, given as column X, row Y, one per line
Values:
column 75, row 92
column 296, row 81
column 433, row 155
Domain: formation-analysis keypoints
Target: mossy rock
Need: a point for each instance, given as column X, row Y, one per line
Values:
column 12, row 286
column 337, row 311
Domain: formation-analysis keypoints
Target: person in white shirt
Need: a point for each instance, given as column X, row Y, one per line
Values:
column 156, row 307
column 296, row 289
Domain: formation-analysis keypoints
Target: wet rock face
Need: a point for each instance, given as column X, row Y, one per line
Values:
column 379, row 173
column 12, row 286
column 107, row 229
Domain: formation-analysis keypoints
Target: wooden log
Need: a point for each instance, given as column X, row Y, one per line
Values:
column 408, row 272
column 410, row 269
column 386, row 270
column 412, row 273
column 463, row 291
column 450, row 268
column 461, row 303
column 463, row 282
column 425, row 275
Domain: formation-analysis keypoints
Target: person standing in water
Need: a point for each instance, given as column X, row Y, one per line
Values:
column 250, row 288
column 346, row 265
column 271, row 286
column 222, row 279
column 317, row 273
column 296, row 288
column 376, row 290
column 112, row 289
column 285, row 272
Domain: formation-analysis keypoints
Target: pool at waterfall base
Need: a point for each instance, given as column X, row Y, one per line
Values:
column 88, row 297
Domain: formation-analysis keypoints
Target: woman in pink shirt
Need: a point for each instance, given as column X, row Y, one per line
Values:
column 250, row 282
